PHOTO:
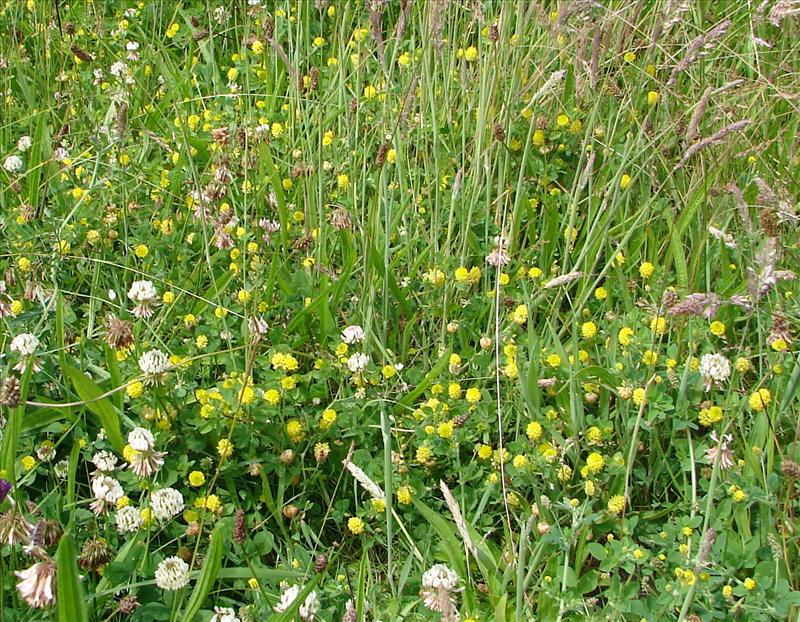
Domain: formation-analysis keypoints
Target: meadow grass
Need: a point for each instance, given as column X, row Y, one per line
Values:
column 399, row 310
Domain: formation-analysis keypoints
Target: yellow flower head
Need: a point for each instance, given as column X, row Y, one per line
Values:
column 224, row 448
column 534, row 430
column 295, row 431
column 759, row 400
column 473, row 395
column 355, row 525
column 404, row 495
column 616, row 504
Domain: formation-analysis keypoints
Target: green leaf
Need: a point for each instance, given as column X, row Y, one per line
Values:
column 597, row 551
column 70, row 602
column 12, row 430
column 207, row 576
column 87, row 390
column 72, row 472
column 128, row 556
column 45, row 417
column 597, row 372
column 432, row 375
column 447, row 532
column 213, row 292
column 269, row 169
column 60, row 341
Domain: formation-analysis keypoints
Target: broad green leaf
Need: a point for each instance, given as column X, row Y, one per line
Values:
column 88, row 391
column 104, row 586
column 44, row 417
column 207, row 577
column 70, row 601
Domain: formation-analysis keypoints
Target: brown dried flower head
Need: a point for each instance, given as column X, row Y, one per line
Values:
column 119, row 333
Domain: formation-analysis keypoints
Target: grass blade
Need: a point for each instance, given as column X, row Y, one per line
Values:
column 207, row 576
column 70, row 602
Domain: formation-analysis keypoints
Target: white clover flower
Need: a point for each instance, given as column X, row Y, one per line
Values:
column 141, row 439
column 172, row 574
column 224, row 614
column 715, row 369
column 720, row 448
column 104, row 461
column 37, row 585
column 154, row 362
column 440, row 577
column 308, row 610
column 118, row 69
column 144, row 294
column 13, row 164
column 353, row 334
column 107, row 491
column 24, row 344
column 166, row 503
column 60, row 154
column 24, row 143
column 358, row 362
column 220, row 14
column 438, row 585
column 107, row 488
column 144, row 461
column 129, row 519
column 257, row 326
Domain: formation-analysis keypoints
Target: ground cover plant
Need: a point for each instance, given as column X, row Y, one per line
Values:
column 399, row 310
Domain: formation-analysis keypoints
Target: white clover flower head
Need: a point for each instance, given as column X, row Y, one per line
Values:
column 118, row 69
column 224, row 614
column 257, row 326
column 128, row 519
column 353, row 334
column 25, row 344
column 142, row 291
column 438, row 585
column 172, row 574
column 154, row 362
column 166, row 503
column 13, row 164
column 220, row 14
column 357, row 362
column 141, row 439
column 720, row 448
column 106, row 488
column 715, row 369
column 287, row 598
column 37, row 584
column 104, row 461
column 107, row 491
column 24, row 143
column 144, row 294
column 308, row 610
column 440, row 576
